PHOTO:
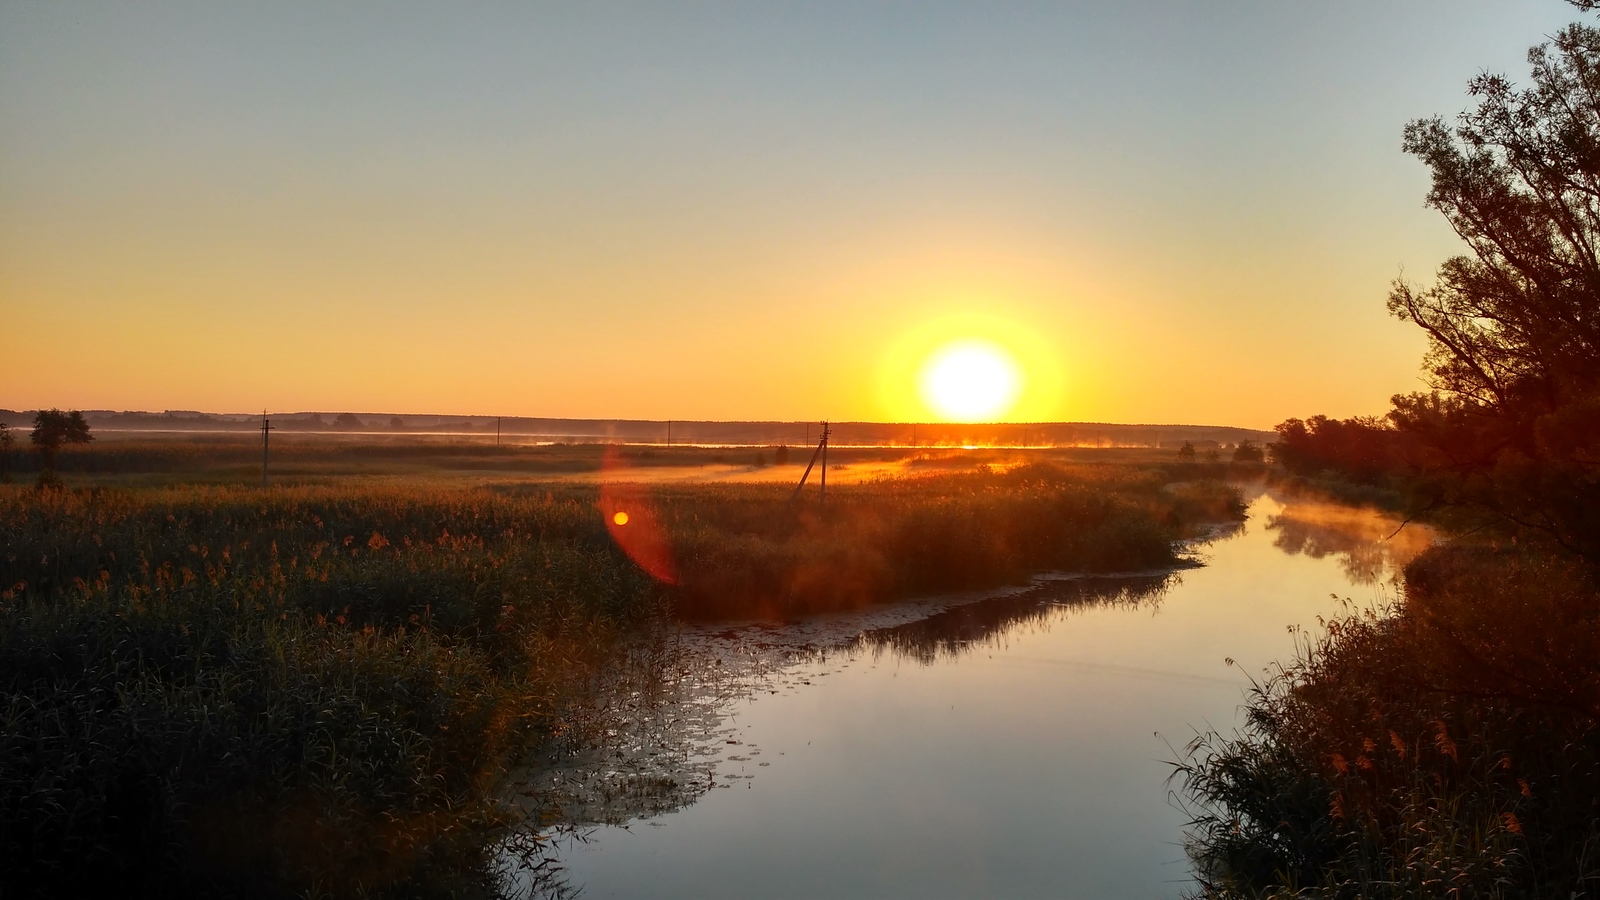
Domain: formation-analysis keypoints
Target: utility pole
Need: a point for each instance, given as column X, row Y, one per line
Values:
column 497, row 431
column 266, row 427
column 823, row 495
column 669, row 432
column 822, row 451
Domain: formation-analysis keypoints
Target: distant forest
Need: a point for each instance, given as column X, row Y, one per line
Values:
column 1061, row 434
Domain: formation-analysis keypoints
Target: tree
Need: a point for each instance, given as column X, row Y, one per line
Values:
column 51, row 429
column 396, row 422
column 781, row 455
column 6, row 440
column 1361, row 448
column 347, row 420
column 1186, row 452
column 1248, row 452
column 1512, row 425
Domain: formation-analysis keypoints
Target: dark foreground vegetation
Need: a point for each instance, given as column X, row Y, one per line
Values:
column 1450, row 746
column 319, row 690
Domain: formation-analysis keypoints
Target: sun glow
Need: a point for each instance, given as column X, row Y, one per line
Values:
column 970, row 381
column 971, row 367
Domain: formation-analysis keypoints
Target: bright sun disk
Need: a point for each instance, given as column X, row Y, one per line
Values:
column 970, row 381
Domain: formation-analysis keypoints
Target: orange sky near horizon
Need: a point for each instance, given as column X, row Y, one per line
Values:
column 1166, row 215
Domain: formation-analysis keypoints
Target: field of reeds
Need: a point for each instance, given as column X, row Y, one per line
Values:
column 133, row 459
column 748, row 551
column 1449, row 746
column 319, row 689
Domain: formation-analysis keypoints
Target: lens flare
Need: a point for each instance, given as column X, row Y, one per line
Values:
column 633, row 520
column 970, row 381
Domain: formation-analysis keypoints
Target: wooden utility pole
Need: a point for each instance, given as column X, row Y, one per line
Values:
column 497, row 431
column 822, row 451
column 266, row 428
column 669, row 432
column 823, row 495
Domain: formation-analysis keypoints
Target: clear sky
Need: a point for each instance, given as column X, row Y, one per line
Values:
column 1172, row 211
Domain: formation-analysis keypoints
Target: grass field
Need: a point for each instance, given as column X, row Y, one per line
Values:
column 317, row 688
column 144, row 459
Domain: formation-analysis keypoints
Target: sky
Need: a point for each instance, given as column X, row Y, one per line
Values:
column 1163, row 212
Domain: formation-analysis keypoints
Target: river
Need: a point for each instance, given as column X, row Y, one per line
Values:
column 1014, row 746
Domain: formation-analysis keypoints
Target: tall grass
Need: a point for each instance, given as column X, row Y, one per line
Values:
column 303, row 690
column 748, row 551
column 320, row 690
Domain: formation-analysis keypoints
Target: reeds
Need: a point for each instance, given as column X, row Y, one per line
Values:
column 220, row 689
column 320, row 690
column 746, row 551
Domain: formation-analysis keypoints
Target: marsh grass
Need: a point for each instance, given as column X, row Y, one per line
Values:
column 748, row 551
column 293, row 691
column 320, row 690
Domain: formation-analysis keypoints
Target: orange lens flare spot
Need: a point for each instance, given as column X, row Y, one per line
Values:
column 634, row 522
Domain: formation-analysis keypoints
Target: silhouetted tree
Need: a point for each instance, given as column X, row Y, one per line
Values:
column 346, row 420
column 6, row 440
column 1361, row 448
column 781, row 455
column 1186, row 452
column 396, row 422
column 51, row 429
column 1248, row 452
column 1513, row 423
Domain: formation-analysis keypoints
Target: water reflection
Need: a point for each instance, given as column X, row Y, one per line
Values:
column 656, row 735
column 1371, row 546
column 649, row 736
column 1027, row 716
column 955, row 631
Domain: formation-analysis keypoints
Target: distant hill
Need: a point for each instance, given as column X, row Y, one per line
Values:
column 759, row 433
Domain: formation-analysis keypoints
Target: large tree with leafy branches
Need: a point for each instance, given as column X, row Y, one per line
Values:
column 1512, row 426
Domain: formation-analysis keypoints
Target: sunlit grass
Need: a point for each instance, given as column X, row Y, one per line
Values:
column 321, row 687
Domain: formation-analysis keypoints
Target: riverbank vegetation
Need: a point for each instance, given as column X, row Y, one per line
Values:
column 1450, row 745
column 319, row 689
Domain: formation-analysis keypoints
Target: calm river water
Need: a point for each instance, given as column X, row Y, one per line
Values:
column 1011, row 747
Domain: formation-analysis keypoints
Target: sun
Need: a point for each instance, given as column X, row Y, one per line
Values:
column 970, row 381
column 972, row 367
